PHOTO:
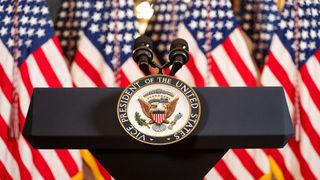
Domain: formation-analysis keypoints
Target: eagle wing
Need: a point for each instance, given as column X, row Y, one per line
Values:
column 145, row 107
column 171, row 107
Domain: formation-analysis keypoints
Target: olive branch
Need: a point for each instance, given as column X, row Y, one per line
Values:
column 140, row 121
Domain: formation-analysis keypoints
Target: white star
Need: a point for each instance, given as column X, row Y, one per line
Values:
column 129, row 25
column 98, row 5
column 127, row 37
column 193, row 24
column 122, row 3
column 161, row 47
column 3, row 31
column 303, row 45
column 28, row 43
column 313, row 34
column 289, row 35
column 44, row 10
column 22, row 31
column 85, row 14
column 121, row 14
column 229, row 24
column 40, row 33
column 6, row 20
column 154, row 37
column 220, row 25
column 272, row 17
column 1, row 8
column 24, row 20
column 282, row 24
column 120, row 25
column 126, row 49
column 218, row 35
column 195, row 14
column 202, row 24
column 96, row 16
column 221, row 13
column 86, row 5
column 9, row 9
column 269, row 27
column 108, row 49
column 42, row 22
column 302, row 56
column 200, row 35
column 102, row 39
column 94, row 28
column 111, row 26
column 30, row 32
column 35, row 10
column 291, row 24
column 33, row 21
column 10, row 42
column 110, row 37
column 130, row 13
column 312, row 45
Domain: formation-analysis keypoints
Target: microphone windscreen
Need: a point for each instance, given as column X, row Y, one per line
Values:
column 143, row 41
column 179, row 43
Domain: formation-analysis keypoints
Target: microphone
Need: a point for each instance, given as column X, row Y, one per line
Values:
column 178, row 55
column 142, row 53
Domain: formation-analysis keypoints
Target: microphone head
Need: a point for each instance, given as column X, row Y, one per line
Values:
column 179, row 43
column 143, row 41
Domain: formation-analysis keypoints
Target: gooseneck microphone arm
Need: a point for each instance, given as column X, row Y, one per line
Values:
column 178, row 55
column 142, row 53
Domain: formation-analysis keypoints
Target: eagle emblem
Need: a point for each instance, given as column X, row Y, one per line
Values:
column 158, row 105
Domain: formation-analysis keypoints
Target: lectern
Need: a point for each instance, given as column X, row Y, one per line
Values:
column 235, row 117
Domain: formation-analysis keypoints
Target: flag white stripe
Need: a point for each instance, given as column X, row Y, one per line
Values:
column 55, row 164
column 240, row 44
column 213, row 175
column 227, row 68
column 9, row 162
column 309, row 106
column 94, row 57
column 80, row 78
column 35, row 75
column 75, row 154
column 57, row 62
column 4, row 107
column 131, row 70
column 6, row 60
column 261, row 157
column 313, row 68
column 235, row 166
column 186, row 75
column 309, row 154
column 291, row 162
column 283, row 58
column 199, row 58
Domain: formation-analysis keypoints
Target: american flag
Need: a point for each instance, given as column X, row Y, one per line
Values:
column 103, row 57
column 40, row 64
column 72, row 17
column 218, row 57
column 259, row 21
column 294, row 63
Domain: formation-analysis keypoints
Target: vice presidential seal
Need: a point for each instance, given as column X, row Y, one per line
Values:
column 158, row 110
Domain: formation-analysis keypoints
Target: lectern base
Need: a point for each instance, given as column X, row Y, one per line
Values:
column 158, row 165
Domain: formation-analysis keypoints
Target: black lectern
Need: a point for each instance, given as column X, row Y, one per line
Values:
column 86, row 118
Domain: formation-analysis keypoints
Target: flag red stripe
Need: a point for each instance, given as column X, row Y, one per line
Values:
column 56, row 42
column 310, row 131
column 224, row 171
column 90, row 71
column 46, row 69
column 68, row 162
column 248, row 163
column 317, row 55
column 281, row 75
column 4, row 174
column 243, row 70
column 5, row 84
column 13, row 148
column 311, row 86
column 217, row 74
column 124, row 81
column 103, row 171
column 276, row 155
column 304, row 167
column 26, row 78
column 198, row 79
